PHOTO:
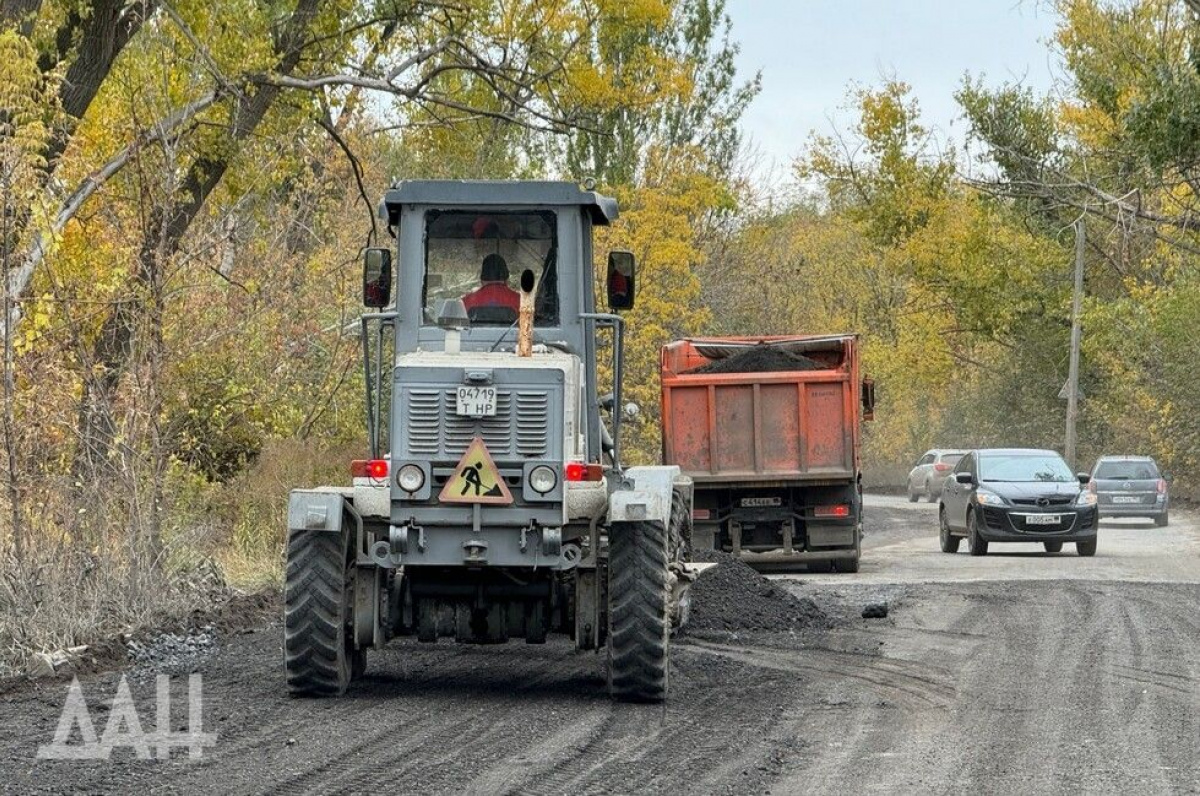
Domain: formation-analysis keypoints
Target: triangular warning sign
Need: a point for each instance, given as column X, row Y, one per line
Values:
column 476, row 479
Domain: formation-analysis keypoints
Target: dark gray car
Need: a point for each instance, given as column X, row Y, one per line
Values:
column 1016, row 495
column 1130, row 486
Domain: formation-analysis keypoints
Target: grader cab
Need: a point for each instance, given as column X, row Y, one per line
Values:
column 495, row 505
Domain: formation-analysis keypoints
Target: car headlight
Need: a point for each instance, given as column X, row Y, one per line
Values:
column 410, row 478
column 1087, row 498
column 543, row 479
column 986, row 498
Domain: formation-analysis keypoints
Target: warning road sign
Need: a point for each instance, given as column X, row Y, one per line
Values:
column 476, row 479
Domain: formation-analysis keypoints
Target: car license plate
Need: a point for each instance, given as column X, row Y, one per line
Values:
column 1043, row 519
column 1126, row 499
column 476, row 401
column 748, row 503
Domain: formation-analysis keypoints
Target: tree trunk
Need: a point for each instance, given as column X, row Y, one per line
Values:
column 114, row 346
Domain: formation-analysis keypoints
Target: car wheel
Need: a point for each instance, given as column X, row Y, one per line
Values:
column 1086, row 549
column 975, row 544
column 913, row 497
column 949, row 540
column 1053, row 547
column 1161, row 520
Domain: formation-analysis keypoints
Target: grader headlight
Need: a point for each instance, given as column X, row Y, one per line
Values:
column 543, row 479
column 410, row 478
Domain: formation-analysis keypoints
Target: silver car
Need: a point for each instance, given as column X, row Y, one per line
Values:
column 927, row 475
column 1131, row 486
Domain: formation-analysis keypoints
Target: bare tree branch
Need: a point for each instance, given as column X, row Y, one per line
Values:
column 19, row 278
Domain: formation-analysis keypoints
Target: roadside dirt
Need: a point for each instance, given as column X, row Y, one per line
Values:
column 1038, row 685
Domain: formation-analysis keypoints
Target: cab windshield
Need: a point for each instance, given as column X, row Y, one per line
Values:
column 1039, row 468
column 479, row 257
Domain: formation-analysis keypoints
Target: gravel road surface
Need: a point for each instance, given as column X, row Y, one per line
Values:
column 1020, row 672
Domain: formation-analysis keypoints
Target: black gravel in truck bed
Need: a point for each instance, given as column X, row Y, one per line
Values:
column 760, row 359
column 733, row 597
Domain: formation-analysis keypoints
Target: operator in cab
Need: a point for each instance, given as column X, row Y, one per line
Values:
column 493, row 290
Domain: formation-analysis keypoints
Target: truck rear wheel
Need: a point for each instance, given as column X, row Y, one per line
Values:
column 846, row 564
column 638, row 612
column 319, row 654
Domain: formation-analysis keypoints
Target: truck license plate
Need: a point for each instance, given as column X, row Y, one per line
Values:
column 749, row 503
column 476, row 401
column 1042, row 519
column 1126, row 499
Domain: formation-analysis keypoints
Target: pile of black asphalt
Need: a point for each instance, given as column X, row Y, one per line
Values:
column 760, row 359
column 732, row 597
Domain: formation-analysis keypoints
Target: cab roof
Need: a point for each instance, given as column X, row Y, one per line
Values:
column 497, row 193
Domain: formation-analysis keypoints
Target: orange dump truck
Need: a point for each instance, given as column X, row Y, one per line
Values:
column 769, row 430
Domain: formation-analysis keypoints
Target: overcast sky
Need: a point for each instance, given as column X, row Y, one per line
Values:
column 809, row 52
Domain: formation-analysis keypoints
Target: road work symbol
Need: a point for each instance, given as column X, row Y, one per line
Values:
column 476, row 479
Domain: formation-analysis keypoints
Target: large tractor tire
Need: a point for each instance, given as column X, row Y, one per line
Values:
column 318, row 642
column 638, row 611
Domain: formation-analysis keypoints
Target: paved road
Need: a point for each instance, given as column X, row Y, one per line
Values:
column 1015, row 673
column 904, row 549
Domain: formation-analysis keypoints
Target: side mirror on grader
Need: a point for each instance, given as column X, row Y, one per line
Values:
column 377, row 278
column 621, row 268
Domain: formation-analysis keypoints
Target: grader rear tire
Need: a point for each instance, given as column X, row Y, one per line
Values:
column 638, row 612
column 319, row 655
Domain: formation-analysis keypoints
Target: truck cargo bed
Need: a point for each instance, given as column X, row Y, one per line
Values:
column 761, row 426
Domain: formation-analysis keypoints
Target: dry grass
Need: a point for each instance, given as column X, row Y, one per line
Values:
column 62, row 595
column 86, row 578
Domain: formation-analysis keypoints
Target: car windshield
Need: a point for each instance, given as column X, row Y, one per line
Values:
column 1039, row 467
column 479, row 257
column 951, row 458
column 1127, row 471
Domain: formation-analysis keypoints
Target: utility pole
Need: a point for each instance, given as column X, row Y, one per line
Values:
column 1072, row 388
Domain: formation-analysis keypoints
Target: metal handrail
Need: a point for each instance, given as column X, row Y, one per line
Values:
column 374, row 406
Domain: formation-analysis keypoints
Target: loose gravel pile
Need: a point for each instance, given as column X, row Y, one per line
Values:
column 171, row 653
column 732, row 597
column 760, row 359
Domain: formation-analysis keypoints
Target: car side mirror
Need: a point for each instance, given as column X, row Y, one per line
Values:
column 964, row 478
column 620, row 282
column 1084, row 478
column 377, row 278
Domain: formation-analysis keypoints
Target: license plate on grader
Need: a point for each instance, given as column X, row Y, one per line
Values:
column 475, row 402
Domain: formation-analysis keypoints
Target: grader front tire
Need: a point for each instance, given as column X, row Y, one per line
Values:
column 639, row 621
column 319, row 655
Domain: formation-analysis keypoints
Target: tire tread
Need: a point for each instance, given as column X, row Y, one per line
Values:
column 639, row 625
column 314, row 635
